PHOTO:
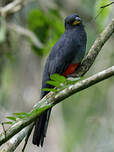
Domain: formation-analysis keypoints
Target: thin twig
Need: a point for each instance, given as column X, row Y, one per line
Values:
column 3, row 128
column 13, row 143
column 107, row 5
column 27, row 33
column 98, row 13
column 11, row 7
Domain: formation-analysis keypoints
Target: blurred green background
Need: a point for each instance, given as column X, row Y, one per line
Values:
column 83, row 122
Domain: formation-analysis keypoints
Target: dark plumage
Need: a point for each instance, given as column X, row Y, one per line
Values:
column 69, row 49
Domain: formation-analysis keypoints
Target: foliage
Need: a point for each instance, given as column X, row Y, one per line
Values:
column 47, row 26
column 60, row 82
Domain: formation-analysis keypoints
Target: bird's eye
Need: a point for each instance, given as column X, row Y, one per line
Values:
column 76, row 21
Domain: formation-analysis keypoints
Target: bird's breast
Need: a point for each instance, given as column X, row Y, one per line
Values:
column 78, row 45
column 78, row 56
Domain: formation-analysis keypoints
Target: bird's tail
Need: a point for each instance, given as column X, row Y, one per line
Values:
column 41, row 128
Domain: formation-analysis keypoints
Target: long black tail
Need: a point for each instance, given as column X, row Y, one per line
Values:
column 41, row 128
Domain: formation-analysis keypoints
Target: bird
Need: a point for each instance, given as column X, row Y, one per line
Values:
column 64, row 58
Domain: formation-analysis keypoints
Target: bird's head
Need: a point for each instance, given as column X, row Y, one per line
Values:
column 72, row 21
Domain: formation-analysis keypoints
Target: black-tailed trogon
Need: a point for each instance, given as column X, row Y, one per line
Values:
column 63, row 59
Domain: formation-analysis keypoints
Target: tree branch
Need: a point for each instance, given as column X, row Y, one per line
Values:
column 14, row 142
column 11, row 7
column 107, row 5
column 52, row 99
column 26, row 33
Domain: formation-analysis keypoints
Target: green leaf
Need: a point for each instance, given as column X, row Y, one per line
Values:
column 58, row 78
column 21, row 114
column 12, row 118
column 54, row 83
column 8, row 122
column 49, row 89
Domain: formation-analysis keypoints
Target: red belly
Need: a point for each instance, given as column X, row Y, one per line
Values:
column 71, row 69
